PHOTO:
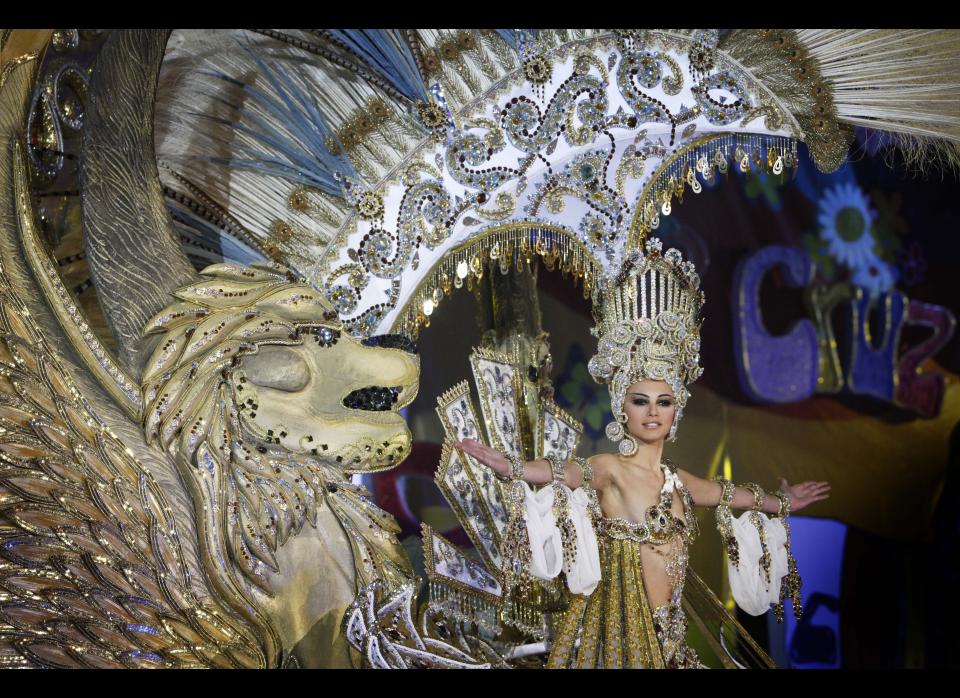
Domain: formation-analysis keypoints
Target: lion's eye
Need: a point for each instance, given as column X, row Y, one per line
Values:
column 327, row 336
column 277, row 367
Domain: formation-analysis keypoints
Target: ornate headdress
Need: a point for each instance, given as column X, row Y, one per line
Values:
column 649, row 328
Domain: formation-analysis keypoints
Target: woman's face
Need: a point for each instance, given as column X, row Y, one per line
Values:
column 649, row 406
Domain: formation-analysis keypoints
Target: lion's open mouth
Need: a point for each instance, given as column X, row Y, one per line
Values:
column 373, row 399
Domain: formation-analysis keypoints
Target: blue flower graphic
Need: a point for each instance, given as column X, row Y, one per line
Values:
column 846, row 220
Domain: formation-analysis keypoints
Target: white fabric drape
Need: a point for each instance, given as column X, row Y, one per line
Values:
column 748, row 583
column 546, row 549
column 546, row 545
column 585, row 574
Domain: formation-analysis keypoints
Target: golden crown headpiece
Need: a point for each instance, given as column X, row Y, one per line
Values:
column 648, row 327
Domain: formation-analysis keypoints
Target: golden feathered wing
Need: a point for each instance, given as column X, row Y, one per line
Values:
column 92, row 570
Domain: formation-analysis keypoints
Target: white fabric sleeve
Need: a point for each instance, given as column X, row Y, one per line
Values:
column 585, row 575
column 546, row 545
column 546, row 548
column 748, row 583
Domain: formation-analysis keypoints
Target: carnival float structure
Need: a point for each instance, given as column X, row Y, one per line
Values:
column 217, row 335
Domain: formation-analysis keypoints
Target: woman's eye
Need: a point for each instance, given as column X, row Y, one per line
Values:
column 639, row 402
column 664, row 403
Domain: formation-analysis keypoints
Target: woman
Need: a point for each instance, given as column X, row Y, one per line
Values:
column 628, row 488
column 648, row 352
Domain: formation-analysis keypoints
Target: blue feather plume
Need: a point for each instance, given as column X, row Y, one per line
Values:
column 389, row 55
column 298, row 150
column 210, row 242
column 510, row 36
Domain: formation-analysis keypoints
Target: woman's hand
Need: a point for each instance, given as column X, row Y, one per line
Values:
column 805, row 493
column 489, row 457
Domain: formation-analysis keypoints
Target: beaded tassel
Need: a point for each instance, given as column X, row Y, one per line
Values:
column 561, row 514
column 725, row 521
column 791, row 586
column 516, row 544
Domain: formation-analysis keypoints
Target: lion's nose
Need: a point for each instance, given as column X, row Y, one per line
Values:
column 373, row 399
column 392, row 341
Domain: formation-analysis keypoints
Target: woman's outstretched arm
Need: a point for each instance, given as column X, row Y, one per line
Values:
column 536, row 472
column 706, row 493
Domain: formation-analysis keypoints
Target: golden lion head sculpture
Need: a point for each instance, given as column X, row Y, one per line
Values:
column 265, row 401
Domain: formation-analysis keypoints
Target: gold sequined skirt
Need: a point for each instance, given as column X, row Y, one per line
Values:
column 614, row 627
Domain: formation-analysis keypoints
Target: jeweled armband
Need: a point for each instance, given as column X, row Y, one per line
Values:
column 557, row 468
column 727, row 491
column 784, row 511
column 585, row 468
column 758, row 495
column 516, row 467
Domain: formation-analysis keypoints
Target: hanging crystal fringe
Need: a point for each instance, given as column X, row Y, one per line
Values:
column 524, row 618
column 700, row 161
column 513, row 247
column 528, row 611
column 523, row 607
column 461, row 607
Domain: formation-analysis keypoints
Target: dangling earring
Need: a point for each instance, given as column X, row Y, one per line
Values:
column 614, row 431
column 618, row 434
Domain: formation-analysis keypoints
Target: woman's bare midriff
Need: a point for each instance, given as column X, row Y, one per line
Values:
column 655, row 578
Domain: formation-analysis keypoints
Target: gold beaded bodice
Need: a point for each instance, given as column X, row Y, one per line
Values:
column 659, row 525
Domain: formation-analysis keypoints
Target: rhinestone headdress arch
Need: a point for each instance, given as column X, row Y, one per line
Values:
column 648, row 327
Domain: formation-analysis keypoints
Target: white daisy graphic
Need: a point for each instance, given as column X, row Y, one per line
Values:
column 845, row 220
column 876, row 276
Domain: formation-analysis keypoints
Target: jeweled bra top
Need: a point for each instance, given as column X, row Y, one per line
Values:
column 659, row 525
